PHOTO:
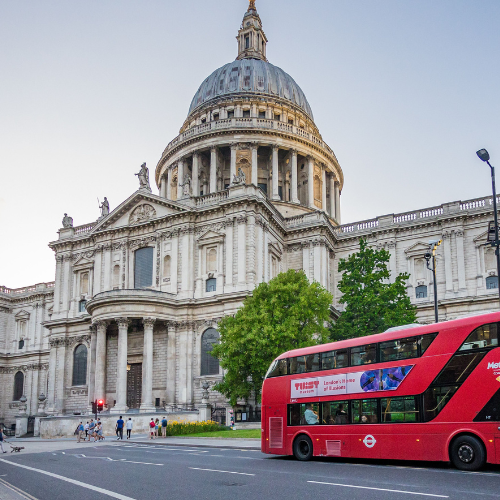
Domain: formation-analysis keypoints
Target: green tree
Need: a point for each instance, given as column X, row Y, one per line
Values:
column 286, row 313
column 372, row 304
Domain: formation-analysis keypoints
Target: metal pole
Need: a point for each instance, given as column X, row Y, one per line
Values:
column 435, row 285
column 496, row 224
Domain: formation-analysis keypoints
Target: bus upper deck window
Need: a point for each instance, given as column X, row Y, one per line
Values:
column 364, row 354
column 278, row 368
column 486, row 336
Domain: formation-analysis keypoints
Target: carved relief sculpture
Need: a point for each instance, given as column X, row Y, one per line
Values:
column 142, row 213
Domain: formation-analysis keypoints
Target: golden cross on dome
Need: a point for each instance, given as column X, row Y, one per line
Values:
column 252, row 5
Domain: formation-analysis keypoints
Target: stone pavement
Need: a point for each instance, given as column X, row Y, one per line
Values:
column 38, row 445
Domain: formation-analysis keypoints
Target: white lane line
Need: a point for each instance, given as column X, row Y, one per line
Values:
column 225, row 471
column 72, row 481
column 380, row 489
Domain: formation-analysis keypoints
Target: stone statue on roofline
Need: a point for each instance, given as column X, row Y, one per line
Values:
column 143, row 176
column 186, row 185
column 240, row 178
column 104, row 206
column 67, row 221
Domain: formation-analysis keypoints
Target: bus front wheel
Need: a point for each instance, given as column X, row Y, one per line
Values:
column 467, row 453
column 303, row 448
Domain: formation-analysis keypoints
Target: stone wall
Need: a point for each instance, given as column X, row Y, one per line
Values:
column 59, row 427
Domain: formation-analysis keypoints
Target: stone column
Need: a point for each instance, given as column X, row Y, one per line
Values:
column 323, row 188
column 162, row 186
column 337, row 202
column 310, row 182
column 171, row 362
column 332, row 197
column 57, row 287
column 121, row 367
column 60, row 372
column 229, row 254
column 147, row 366
column 255, row 174
column 180, row 177
column 174, row 263
column 232, row 166
column 259, row 244
column 275, row 195
column 100, row 361
column 91, row 367
column 448, row 265
column 459, row 234
column 250, row 271
column 196, row 174
column 213, row 169
column 294, row 177
column 242, row 221
column 169, row 183
column 51, row 386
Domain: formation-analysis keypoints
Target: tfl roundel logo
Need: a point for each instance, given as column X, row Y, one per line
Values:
column 369, row 441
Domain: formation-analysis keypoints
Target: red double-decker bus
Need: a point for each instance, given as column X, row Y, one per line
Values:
column 427, row 392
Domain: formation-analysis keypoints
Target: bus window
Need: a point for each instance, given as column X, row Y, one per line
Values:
column 277, row 368
column 426, row 341
column 303, row 414
column 399, row 349
column 458, row 368
column 364, row 411
column 364, row 354
column 399, row 409
column 483, row 337
column 435, row 399
column 312, row 363
column 335, row 412
column 304, row 364
column 334, row 359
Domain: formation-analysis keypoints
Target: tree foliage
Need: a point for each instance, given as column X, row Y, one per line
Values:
column 372, row 304
column 286, row 313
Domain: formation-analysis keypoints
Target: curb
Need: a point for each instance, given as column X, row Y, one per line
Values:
column 205, row 445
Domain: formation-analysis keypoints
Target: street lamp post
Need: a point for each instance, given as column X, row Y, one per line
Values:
column 428, row 256
column 485, row 156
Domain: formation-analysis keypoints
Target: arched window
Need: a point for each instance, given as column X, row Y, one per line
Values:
column 18, row 385
column 421, row 292
column 209, row 364
column 143, row 269
column 84, row 285
column 212, row 260
column 116, row 276
column 491, row 282
column 166, row 268
column 80, row 365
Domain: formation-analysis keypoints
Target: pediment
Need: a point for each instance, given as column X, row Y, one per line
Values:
column 140, row 208
column 210, row 236
column 481, row 239
column 418, row 249
column 82, row 263
column 22, row 315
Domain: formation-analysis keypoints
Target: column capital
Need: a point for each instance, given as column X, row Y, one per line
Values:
column 275, row 147
column 99, row 323
column 213, row 149
column 310, row 158
column 196, row 154
column 293, row 152
column 123, row 322
column 253, row 145
column 234, row 146
column 148, row 321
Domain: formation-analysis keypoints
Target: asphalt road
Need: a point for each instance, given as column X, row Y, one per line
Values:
column 144, row 472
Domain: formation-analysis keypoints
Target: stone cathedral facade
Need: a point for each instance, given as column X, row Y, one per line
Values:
column 248, row 189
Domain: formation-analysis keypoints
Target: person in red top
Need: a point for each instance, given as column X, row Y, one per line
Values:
column 152, row 426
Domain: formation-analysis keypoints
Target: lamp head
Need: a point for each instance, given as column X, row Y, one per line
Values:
column 483, row 154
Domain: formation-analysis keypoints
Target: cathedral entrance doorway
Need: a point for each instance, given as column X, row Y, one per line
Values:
column 134, row 385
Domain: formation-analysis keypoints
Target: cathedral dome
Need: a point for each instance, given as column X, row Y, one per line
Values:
column 250, row 76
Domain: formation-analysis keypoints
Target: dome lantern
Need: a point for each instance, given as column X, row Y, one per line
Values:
column 251, row 38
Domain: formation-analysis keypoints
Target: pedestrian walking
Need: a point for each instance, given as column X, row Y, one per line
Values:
column 80, row 432
column 119, row 428
column 129, row 427
column 164, row 424
column 100, row 437
column 152, row 429
column 2, row 440
column 157, row 425
column 91, row 428
column 86, row 429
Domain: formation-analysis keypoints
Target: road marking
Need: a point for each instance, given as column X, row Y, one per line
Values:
column 72, row 481
column 380, row 489
column 226, row 471
column 15, row 489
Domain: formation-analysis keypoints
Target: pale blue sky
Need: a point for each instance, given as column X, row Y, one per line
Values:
column 403, row 91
